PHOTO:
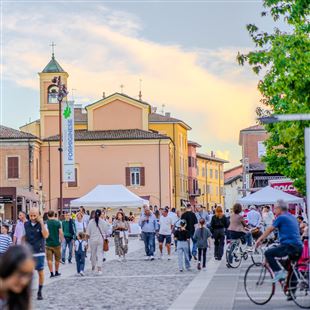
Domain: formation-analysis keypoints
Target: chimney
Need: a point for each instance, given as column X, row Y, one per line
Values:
column 154, row 109
column 168, row 114
column 212, row 154
column 103, row 95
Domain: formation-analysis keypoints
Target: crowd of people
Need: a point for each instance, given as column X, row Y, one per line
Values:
column 187, row 232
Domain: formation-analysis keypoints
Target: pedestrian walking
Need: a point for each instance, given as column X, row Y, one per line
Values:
column 68, row 229
column 183, row 236
column 218, row 225
column 80, row 248
column 121, row 229
column 19, row 228
column 5, row 239
column 16, row 272
column 191, row 222
column 86, row 217
column 165, row 231
column 80, row 225
column 35, row 235
column 202, row 237
column 149, row 226
column 53, row 245
column 97, row 229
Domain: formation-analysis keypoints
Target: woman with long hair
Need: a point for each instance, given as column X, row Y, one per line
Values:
column 218, row 225
column 16, row 271
column 121, row 229
column 97, row 231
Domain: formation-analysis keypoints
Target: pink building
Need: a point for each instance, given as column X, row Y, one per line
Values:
column 193, row 188
column 113, row 145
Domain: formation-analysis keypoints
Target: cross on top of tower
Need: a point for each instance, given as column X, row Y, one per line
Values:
column 53, row 50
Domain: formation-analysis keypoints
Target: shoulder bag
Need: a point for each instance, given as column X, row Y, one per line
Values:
column 105, row 241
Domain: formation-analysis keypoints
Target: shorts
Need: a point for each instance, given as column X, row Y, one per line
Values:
column 39, row 262
column 161, row 239
column 53, row 251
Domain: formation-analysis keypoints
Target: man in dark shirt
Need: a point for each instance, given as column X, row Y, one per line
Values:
column 191, row 222
column 35, row 235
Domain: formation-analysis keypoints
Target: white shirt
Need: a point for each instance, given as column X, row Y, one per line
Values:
column 173, row 216
column 77, row 243
column 268, row 218
column 254, row 218
column 79, row 226
column 165, row 223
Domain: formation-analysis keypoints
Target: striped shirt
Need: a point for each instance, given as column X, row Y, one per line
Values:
column 5, row 242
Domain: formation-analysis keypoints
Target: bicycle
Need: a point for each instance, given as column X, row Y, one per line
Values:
column 237, row 251
column 259, row 285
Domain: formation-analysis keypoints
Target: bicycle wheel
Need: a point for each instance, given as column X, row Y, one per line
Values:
column 257, row 256
column 298, row 286
column 258, row 284
column 233, row 255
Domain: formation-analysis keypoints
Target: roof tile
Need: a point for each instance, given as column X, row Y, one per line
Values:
column 10, row 133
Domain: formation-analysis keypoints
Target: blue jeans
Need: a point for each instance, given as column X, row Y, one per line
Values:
column 80, row 260
column 66, row 243
column 194, row 248
column 149, row 243
column 281, row 251
column 183, row 251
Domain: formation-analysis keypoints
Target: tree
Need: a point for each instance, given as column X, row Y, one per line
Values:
column 282, row 58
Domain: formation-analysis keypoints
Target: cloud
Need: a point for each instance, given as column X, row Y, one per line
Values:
column 101, row 49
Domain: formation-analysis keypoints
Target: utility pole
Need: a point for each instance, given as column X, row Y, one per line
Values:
column 62, row 93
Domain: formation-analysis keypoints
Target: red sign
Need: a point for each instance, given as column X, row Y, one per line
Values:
column 285, row 186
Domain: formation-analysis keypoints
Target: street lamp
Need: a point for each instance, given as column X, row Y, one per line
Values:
column 61, row 94
column 297, row 117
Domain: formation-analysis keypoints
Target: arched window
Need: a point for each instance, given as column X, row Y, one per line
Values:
column 52, row 94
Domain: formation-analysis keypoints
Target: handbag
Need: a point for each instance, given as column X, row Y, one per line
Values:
column 105, row 241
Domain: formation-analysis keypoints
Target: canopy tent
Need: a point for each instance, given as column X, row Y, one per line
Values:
column 268, row 196
column 109, row 196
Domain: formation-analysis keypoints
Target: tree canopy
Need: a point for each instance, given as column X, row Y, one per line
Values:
column 282, row 59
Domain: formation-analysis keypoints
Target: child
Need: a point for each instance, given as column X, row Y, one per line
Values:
column 202, row 237
column 182, row 236
column 5, row 239
column 80, row 246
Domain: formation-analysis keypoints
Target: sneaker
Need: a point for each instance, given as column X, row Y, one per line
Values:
column 199, row 266
column 100, row 273
column 82, row 273
column 152, row 257
column 104, row 259
column 169, row 257
column 195, row 257
column 57, row 274
column 62, row 261
column 148, row 257
column 52, row 275
column 70, row 261
column 279, row 275
column 181, row 270
column 39, row 296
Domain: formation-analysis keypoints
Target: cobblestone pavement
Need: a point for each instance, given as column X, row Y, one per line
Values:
column 135, row 284
column 153, row 285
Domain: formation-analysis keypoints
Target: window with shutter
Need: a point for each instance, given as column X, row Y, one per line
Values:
column 142, row 172
column 13, row 167
column 127, row 176
column 75, row 182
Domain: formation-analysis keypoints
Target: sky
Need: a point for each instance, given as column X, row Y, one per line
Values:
column 184, row 53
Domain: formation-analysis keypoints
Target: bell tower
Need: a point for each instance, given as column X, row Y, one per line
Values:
column 48, row 97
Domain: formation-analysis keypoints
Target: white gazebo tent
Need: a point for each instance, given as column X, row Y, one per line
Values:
column 270, row 196
column 109, row 196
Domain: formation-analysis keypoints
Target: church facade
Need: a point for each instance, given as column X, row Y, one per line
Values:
column 113, row 145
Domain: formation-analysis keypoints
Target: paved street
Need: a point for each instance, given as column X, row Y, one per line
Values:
column 138, row 284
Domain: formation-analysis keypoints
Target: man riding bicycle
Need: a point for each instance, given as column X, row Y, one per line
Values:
column 289, row 237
